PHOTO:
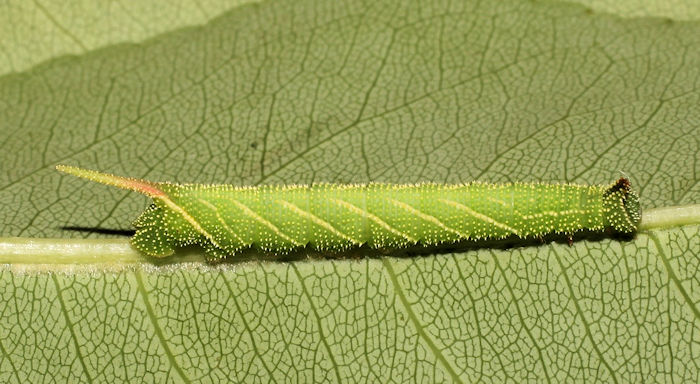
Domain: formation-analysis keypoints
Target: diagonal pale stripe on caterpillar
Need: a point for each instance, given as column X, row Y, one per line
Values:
column 169, row 203
column 480, row 216
column 221, row 219
column 374, row 218
column 249, row 212
column 226, row 219
column 427, row 217
column 318, row 221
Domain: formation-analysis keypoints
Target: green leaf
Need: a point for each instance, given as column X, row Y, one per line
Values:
column 310, row 91
column 672, row 9
column 31, row 32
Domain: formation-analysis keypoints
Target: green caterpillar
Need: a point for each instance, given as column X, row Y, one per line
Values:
column 226, row 219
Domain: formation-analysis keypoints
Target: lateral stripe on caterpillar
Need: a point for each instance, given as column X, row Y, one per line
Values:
column 226, row 219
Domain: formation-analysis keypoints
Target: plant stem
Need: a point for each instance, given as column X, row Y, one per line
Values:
column 24, row 250
column 666, row 217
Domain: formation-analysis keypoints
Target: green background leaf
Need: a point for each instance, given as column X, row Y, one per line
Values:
column 309, row 91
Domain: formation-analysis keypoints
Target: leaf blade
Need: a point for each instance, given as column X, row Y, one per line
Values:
column 353, row 93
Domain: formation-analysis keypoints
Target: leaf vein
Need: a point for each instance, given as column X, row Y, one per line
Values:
column 673, row 277
column 324, row 341
column 586, row 326
column 246, row 325
column 159, row 332
column 421, row 332
column 522, row 318
column 71, row 329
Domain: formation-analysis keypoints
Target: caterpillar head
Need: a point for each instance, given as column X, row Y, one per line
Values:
column 622, row 207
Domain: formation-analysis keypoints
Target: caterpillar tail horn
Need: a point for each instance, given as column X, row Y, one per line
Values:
column 147, row 188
